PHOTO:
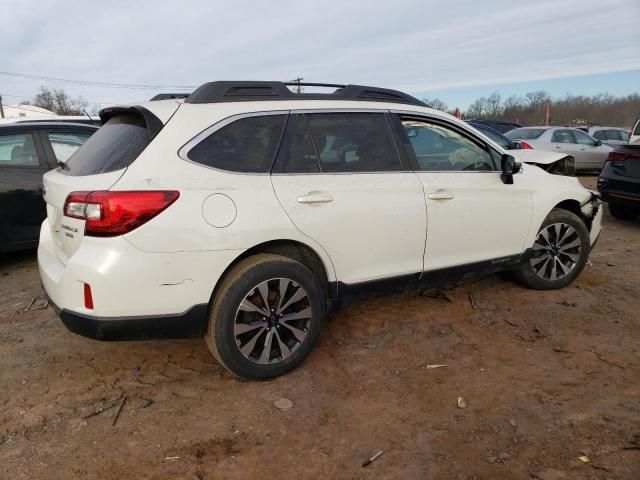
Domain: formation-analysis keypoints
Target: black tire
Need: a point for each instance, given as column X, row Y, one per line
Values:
column 537, row 273
column 623, row 212
column 244, row 280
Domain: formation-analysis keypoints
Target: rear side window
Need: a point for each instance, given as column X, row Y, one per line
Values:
column 18, row 151
column 297, row 153
column 524, row 133
column 353, row 142
column 65, row 144
column 247, row 145
column 113, row 147
column 563, row 136
column 582, row 138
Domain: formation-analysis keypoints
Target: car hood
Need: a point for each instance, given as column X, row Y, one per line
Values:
column 537, row 157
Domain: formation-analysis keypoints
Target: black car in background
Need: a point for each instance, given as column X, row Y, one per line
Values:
column 499, row 125
column 27, row 151
column 496, row 136
column 619, row 182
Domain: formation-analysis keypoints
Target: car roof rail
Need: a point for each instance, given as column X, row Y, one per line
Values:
column 168, row 96
column 239, row 91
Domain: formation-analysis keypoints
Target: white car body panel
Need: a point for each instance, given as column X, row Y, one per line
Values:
column 635, row 133
column 375, row 227
column 460, row 231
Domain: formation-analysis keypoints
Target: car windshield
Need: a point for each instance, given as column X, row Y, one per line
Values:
column 524, row 133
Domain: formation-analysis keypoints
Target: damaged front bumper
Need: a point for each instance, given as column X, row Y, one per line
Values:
column 592, row 212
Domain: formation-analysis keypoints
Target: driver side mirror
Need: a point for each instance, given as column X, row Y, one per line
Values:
column 598, row 143
column 509, row 168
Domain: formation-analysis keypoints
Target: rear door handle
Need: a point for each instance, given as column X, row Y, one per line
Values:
column 315, row 198
column 441, row 196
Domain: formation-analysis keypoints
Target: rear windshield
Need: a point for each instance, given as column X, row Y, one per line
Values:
column 113, row 147
column 524, row 133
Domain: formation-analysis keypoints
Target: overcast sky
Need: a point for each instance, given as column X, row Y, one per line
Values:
column 423, row 47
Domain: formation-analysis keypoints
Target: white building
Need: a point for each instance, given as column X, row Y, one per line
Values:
column 14, row 111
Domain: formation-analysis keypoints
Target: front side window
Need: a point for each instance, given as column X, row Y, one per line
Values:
column 439, row 148
column 65, row 144
column 247, row 145
column 614, row 135
column 563, row 136
column 624, row 135
column 353, row 142
column 600, row 135
column 583, row 138
column 18, row 151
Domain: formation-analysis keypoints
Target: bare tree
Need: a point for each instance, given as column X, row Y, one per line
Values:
column 58, row 101
column 436, row 104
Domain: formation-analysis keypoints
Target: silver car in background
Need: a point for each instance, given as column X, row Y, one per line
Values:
column 610, row 135
column 589, row 153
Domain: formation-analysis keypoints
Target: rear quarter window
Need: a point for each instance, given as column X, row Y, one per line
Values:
column 247, row 145
column 113, row 147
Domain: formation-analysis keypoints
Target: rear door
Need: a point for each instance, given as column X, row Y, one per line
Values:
column 22, row 210
column 339, row 177
column 472, row 215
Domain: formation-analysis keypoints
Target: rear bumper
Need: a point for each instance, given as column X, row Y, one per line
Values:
column 136, row 294
column 189, row 324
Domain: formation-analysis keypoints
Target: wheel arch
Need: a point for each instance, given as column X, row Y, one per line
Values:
column 293, row 249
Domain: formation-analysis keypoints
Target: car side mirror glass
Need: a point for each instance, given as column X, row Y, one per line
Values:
column 509, row 168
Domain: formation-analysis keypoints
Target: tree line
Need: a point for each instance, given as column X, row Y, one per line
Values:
column 530, row 109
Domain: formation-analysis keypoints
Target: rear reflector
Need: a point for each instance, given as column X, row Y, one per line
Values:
column 109, row 214
column 88, row 298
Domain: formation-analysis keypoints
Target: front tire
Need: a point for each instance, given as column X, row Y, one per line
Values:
column 266, row 317
column 559, row 252
column 623, row 212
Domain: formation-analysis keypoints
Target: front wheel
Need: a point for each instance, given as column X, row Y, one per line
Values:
column 559, row 252
column 265, row 317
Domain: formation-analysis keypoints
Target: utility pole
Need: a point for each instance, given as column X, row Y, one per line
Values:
column 1, row 109
column 298, row 80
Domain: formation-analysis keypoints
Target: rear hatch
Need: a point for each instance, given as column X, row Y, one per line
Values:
column 97, row 165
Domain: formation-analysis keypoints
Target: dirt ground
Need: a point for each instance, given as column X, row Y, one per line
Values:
column 547, row 378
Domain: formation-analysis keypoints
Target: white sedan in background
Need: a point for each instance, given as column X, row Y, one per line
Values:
column 589, row 153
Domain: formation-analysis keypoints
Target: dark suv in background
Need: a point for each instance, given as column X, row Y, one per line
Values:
column 619, row 182
column 27, row 151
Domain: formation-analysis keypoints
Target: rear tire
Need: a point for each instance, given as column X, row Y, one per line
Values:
column 559, row 253
column 257, row 341
column 623, row 212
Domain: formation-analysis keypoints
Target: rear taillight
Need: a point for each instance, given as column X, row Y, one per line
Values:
column 525, row 145
column 108, row 214
column 617, row 157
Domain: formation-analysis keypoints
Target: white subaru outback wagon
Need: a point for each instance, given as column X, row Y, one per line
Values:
column 246, row 211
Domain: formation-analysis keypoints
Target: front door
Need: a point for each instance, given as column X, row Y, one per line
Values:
column 339, row 178
column 472, row 216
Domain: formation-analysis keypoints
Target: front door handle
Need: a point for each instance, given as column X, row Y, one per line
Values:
column 441, row 196
column 315, row 198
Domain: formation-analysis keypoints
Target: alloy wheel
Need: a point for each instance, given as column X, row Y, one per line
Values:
column 556, row 251
column 272, row 321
